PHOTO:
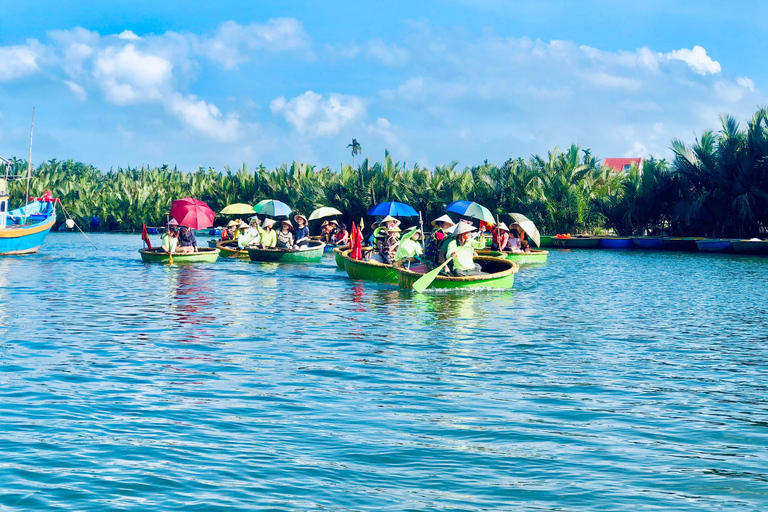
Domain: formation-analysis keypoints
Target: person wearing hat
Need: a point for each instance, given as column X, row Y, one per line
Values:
column 268, row 237
column 462, row 252
column 170, row 239
column 436, row 239
column 302, row 232
column 500, row 237
column 409, row 244
column 388, row 245
column 245, row 235
column 342, row 235
column 285, row 235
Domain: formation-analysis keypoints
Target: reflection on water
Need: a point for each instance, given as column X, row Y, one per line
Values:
column 604, row 381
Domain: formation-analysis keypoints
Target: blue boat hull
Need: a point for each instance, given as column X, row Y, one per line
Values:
column 647, row 243
column 615, row 243
column 714, row 245
column 26, row 240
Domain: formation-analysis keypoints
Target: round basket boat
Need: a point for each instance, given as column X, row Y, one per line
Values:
column 368, row 270
column 337, row 252
column 500, row 274
column 229, row 249
column 715, row 245
column 646, row 242
column 534, row 256
column 312, row 254
column 158, row 255
column 212, row 242
column 759, row 247
column 683, row 244
column 615, row 242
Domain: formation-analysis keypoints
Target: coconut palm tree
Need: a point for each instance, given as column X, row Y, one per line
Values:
column 356, row 149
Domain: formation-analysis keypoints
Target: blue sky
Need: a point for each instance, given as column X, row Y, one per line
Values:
column 221, row 83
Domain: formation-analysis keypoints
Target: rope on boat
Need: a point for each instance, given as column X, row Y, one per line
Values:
column 66, row 214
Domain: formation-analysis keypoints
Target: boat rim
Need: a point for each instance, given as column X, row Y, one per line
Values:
column 513, row 268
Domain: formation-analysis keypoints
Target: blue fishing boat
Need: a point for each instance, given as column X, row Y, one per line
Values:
column 615, row 242
column 23, row 230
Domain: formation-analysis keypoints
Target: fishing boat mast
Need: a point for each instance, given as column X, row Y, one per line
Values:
column 29, row 163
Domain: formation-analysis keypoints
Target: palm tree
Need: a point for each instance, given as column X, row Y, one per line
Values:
column 356, row 150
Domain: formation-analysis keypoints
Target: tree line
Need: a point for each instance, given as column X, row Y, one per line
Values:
column 717, row 186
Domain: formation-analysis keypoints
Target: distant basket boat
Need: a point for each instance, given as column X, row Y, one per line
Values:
column 615, row 242
column 311, row 255
column 576, row 242
column 682, row 244
column 158, row 255
column 647, row 242
column 714, row 245
column 757, row 247
column 500, row 274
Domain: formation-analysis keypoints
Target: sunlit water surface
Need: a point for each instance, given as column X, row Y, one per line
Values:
column 604, row 381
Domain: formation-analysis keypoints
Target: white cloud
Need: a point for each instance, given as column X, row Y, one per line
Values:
column 128, row 35
column 319, row 115
column 76, row 89
column 697, row 59
column 746, row 82
column 204, row 117
column 128, row 75
column 387, row 54
column 233, row 42
column 19, row 61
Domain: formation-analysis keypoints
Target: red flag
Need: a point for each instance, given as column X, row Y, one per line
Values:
column 145, row 235
column 355, row 252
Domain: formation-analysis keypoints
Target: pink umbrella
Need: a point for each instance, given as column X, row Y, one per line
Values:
column 192, row 213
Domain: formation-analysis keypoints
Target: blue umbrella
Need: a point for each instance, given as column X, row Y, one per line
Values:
column 272, row 208
column 394, row 209
column 471, row 209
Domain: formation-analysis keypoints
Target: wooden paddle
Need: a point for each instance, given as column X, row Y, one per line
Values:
column 424, row 281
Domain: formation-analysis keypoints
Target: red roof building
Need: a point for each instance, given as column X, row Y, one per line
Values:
column 623, row 164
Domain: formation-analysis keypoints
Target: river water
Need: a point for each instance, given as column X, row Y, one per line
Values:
column 603, row 381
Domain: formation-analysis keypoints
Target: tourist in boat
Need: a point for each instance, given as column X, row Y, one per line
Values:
column 462, row 252
column 436, row 239
column 170, row 239
column 388, row 245
column 500, row 237
column 268, row 236
column 525, row 246
column 247, row 235
column 342, row 235
column 187, row 240
column 409, row 245
column 514, row 242
column 302, row 232
column 285, row 235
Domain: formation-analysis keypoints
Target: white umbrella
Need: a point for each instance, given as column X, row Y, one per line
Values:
column 324, row 211
column 528, row 226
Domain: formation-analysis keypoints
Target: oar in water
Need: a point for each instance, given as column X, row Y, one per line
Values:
column 424, row 281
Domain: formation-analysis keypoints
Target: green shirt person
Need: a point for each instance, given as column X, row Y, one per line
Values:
column 169, row 242
column 409, row 246
column 462, row 252
column 268, row 237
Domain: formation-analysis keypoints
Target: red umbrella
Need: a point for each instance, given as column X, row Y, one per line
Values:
column 192, row 213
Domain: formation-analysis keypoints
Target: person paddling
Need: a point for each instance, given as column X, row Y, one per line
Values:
column 462, row 252
column 170, row 239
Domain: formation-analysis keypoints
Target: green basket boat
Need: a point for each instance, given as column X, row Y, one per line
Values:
column 368, row 270
column 337, row 252
column 545, row 240
column 311, row 255
column 158, row 255
column 576, row 242
column 229, row 249
column 535, row 256
column 500, row 275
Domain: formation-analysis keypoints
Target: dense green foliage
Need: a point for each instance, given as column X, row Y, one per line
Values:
column 716, row 187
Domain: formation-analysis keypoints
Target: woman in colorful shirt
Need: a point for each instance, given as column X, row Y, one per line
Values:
column 285, row 235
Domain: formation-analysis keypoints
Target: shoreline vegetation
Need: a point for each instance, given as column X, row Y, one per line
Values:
column 716, row 187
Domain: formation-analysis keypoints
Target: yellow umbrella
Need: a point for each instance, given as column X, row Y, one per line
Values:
column 324, row 211
column 237, row 209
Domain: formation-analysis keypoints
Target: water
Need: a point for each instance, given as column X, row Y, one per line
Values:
column 605, row 381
